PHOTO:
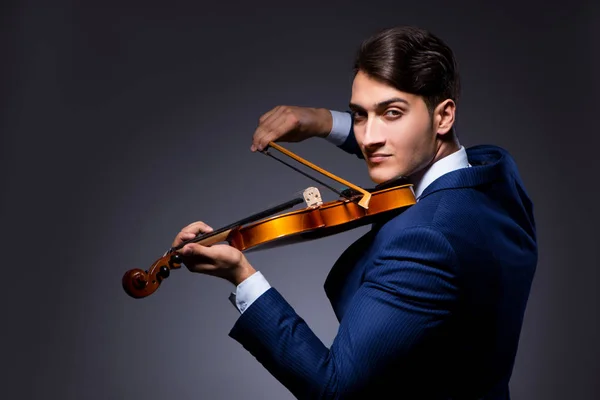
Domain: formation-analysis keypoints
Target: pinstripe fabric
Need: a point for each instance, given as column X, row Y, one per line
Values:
column 430, row 303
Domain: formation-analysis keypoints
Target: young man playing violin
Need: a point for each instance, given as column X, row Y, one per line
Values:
column 430, row 302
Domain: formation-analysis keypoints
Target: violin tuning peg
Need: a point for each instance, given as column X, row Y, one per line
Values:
column 163, row 272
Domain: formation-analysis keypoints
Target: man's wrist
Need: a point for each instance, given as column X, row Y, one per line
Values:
column 243, row 272
column 326, row 122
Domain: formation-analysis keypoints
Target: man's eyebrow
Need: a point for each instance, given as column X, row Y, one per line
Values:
column 381, row 104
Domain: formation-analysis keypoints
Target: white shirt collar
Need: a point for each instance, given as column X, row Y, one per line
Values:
column 452, row 162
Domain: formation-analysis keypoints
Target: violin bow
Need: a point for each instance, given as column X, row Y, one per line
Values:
column 366, row 196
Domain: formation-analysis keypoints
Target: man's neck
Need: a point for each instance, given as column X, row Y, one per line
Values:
column 427, row 175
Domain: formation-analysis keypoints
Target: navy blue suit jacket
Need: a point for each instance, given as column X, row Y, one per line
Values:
column 430, row 302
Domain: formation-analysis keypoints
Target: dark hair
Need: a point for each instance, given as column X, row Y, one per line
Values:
column 411, row 60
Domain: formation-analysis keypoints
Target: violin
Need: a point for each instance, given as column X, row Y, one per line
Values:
column 356, row 207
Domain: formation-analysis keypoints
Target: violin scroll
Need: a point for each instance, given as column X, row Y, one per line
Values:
column 138, row 283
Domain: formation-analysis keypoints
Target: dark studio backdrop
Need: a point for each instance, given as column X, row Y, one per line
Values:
column 123, row 123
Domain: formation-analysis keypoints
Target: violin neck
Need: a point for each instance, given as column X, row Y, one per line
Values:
column 221, row 234
column 213, row 238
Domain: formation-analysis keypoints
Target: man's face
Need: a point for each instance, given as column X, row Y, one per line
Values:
column 393, row 129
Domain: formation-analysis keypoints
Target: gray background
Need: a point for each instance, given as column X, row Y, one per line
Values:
column 121, row 124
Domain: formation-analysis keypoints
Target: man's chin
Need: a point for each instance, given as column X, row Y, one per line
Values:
column 380, row 176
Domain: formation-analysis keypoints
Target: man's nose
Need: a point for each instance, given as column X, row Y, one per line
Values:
column 373, row 134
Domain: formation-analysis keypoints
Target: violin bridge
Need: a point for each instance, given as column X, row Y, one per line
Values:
column 312, row 196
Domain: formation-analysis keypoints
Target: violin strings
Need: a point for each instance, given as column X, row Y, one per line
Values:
column 266, row 152
column 265, row 213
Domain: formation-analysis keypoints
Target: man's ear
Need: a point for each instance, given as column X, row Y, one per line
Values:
column 443, row 116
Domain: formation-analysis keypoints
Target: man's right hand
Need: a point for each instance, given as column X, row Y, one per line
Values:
column 291, row 124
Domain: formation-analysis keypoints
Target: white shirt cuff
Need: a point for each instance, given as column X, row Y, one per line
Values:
column 340, row 129
column 248, row 291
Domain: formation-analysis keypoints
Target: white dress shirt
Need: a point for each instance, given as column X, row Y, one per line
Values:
column 255, row 285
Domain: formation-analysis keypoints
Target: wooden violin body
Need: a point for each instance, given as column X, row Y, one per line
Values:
column 315, row 221
column 320, row 221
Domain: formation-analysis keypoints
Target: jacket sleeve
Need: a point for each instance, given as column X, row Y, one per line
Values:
column 407, row 294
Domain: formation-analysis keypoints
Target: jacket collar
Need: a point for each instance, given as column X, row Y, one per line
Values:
column 488, row 163
column 452, row 162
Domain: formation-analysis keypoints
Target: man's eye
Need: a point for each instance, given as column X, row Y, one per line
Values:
column 357, row 115
column 393, row 113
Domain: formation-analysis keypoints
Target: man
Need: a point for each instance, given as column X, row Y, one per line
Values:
column 430, row 302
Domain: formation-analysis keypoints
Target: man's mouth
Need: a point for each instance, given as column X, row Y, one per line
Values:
column 377, row 157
